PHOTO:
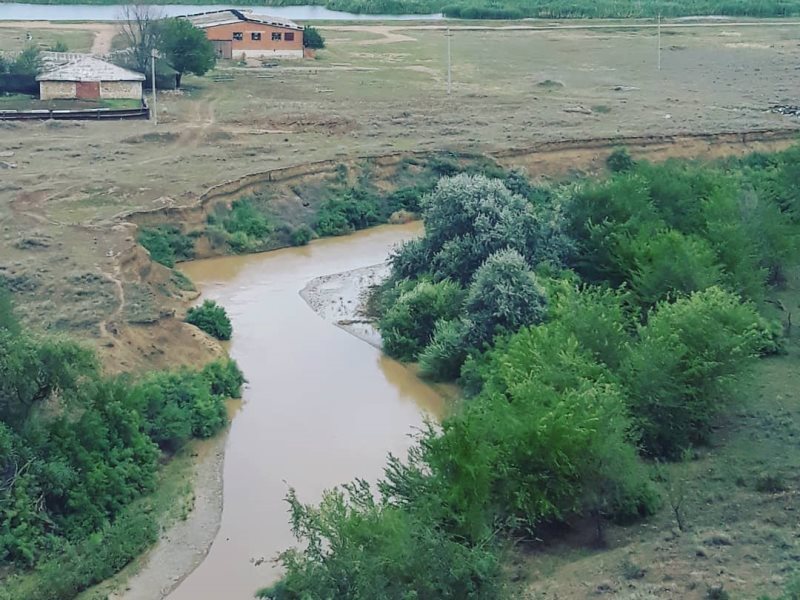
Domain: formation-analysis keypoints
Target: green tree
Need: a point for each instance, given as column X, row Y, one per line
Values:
column 31, row 371
column 408, row 325
column 679, row 372
column 186, row 48
column 360, row 548
column 312, row 38
column 442, row 358
column 29, row 62
column 504, row 296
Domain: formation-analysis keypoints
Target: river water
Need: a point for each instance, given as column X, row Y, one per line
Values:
column 321, row 406
column 88, row 12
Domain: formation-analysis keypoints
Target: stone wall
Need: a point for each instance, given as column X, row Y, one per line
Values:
column 50, row 90
column 121, row 89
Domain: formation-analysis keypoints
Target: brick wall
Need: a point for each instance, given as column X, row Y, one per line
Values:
column 266, row 46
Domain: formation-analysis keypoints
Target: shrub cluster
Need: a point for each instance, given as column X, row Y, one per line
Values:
column 353, row 210
column 76, row 448
column 243, row 228
column 569, row 9
column 19, row 75
column 167, row 244
column 211, row 318
column 591, row 324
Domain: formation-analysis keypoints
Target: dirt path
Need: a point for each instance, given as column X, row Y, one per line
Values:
column 388, row 33
column 102, row 39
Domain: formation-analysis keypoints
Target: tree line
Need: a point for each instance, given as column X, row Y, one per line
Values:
column 78, row 448
column 517, row 9
column 595, row 327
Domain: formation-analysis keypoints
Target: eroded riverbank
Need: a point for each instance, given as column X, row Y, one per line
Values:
column 321, row 406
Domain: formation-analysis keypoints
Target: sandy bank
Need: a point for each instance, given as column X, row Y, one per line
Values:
column 341, row 299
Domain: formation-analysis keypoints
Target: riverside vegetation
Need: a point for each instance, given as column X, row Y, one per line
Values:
column 517, row 9
column 348, row 201
column 80, row 453
column 596, row 328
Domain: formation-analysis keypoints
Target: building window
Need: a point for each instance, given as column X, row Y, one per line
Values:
column 238, row 36
column 256, row 36
column 276, row 37
column 289, row 37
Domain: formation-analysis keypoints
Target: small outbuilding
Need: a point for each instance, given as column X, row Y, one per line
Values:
column 236, row 33
column 84, row 77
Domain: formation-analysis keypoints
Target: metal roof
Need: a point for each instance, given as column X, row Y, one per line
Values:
column 214, row 18
column 82, row 67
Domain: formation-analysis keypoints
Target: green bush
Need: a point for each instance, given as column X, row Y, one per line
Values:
column 167, row 244
column 468, row 218
column 667, row 263
column 534, row 454
column 312, row 38
column 87, row 562
column 600, row 319
column 503, row 296
column 407, row 326
column 620, row 160
column 680, row 370
column 356, row 547
column 675, row 227
column 442, row 358
column 224, row 377
column 211, row 318
column 407, row 198
column 349, row 212
column 28, row 62
column 179, row 406
column 245, row 228
column 244, row 217
column 301, row 236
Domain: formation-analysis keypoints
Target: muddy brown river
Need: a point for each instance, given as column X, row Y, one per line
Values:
column 321, row 406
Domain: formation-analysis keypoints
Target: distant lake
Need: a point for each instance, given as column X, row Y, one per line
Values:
column 88, row 12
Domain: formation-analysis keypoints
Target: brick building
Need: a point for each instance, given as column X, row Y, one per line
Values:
column 236, row 33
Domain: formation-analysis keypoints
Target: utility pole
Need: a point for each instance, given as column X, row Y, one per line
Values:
column 153, row 81
column 448, row 35
column 659, row 41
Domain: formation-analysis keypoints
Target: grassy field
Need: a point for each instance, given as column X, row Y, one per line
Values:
column 373, row 90
column 16, row 39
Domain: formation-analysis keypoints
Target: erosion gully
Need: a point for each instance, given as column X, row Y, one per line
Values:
column 321, row 406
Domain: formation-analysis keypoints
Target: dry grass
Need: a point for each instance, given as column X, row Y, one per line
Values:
column 69, row 180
